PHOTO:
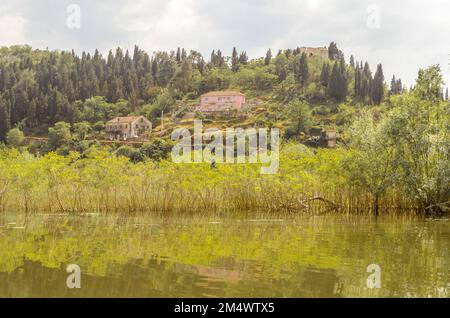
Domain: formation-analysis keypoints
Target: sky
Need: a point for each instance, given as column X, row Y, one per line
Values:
column 403, row 35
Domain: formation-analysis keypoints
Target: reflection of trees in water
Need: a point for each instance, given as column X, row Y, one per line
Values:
column 308, row 257
column 320, row 282
column 154, row 279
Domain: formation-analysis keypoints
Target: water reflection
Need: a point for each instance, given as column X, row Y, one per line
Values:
column 198, row 256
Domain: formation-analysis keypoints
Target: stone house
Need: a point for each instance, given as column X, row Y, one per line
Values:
column 124, row 128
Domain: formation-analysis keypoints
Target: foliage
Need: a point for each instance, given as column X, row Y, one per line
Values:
column 15, row 138
column 407, row 150
column 157, row 150
column 299, row 114
column 59, row 135
column 81, row 130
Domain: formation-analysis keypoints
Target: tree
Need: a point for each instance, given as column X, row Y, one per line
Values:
column 234, row 60
column 217, row 60
column 333, row 52
column 81, row 129
column 131, row 153
column 337, row 85
column 166, row 68
column 343, row 80
column 178, row 56
column 59, row 135
column 183, row 78
column 280, row 67
column 98, row 127
column 393, row 89
column 243, row 58
column 352, row 61
column 378, row 85
column 396, row 86
column 268, row 57
column 363, row 82
column 301, row 71
column 325, row 74
column 418, row 131
column 4, row 120
column 369, row 167
column 407, row 149
column 299, row 114
column 157, row 150
column 15, row 138
column 429, row 83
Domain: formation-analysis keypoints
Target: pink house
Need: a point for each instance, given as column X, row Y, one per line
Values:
column 221, row 101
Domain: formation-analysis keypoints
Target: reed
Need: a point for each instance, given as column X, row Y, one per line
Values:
column 307, row 182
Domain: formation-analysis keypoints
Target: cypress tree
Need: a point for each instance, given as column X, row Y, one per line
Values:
column 393, row 90
column 268, row 57
column 366, row 82
column 333, row 51
column 178, row 56
column 399, row 86
column 4, row 120
column 213, row 58
column 220, row 59
column 358, row 81
column 301, row 71
column 325, row 74
column 243, row 58
column 333, row 81
column 352, row 61
column 378, row 85
column 343, row 81
column 234, row 60
column 337, row 86
column 280, row 67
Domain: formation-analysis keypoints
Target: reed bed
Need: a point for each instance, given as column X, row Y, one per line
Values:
column 307, row 182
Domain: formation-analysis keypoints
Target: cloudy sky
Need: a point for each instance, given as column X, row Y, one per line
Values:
column 403, row 35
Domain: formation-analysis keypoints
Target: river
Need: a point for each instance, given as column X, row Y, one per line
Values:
column 240, row 255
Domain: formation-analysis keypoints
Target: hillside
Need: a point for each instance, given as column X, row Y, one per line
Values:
column 41, row 88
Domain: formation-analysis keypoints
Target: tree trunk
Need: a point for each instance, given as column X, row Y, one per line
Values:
column 376, row 204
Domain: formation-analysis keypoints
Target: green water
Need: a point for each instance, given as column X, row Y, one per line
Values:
column 218, row 256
